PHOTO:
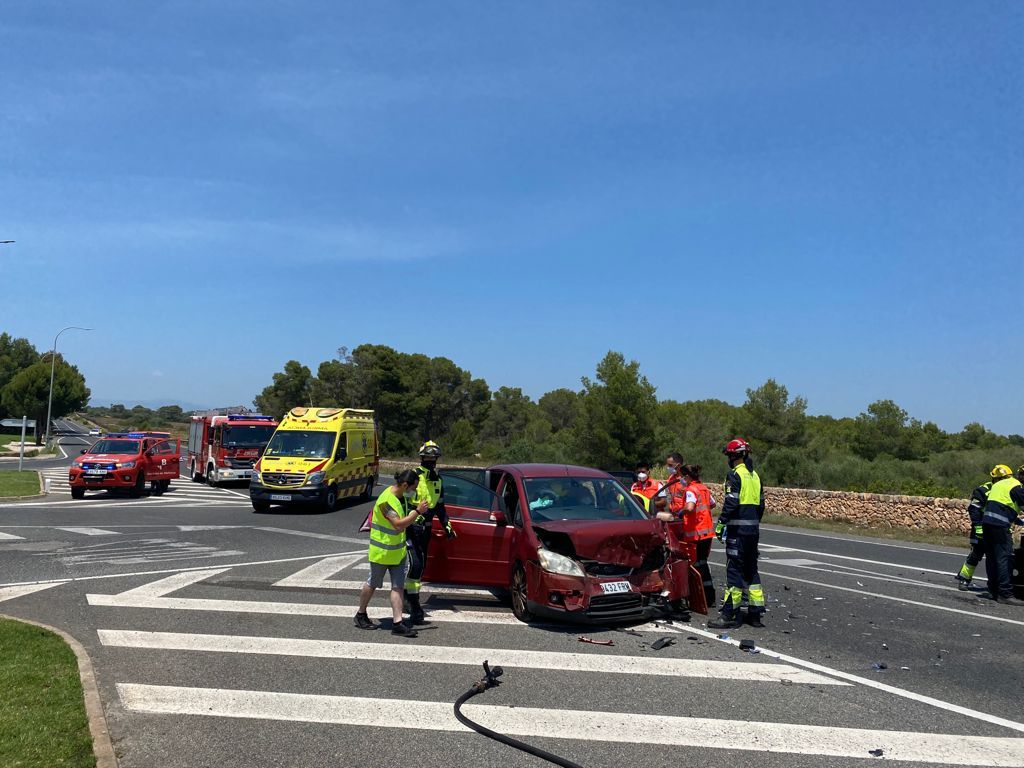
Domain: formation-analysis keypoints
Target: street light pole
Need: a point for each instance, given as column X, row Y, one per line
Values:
column 53, row 363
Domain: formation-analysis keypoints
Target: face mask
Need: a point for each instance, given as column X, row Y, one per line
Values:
column 641, row 476
column 429, row 463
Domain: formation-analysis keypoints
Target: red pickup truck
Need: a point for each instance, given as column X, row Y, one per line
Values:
column 126, row 461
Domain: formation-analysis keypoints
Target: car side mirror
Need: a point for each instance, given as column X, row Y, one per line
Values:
column 150, row 452
column 341, row 455
column 84, row 451
column 499, row 514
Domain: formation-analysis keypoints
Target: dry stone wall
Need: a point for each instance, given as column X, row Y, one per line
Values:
column 868, row 510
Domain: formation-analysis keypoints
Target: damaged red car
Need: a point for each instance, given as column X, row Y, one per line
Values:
column 567, row 543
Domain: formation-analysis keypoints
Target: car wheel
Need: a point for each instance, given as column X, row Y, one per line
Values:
column 140, row 485
column 367, row 491
column 195, row 476
column 209, row 476
column 519, row 592
column 330, row 499
column 78, row 493
column 261, row 506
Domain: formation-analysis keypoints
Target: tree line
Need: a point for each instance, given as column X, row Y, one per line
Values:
column 25, row 383
column 615, row 419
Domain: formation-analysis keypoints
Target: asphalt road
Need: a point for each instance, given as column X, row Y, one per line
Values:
column 224, row 638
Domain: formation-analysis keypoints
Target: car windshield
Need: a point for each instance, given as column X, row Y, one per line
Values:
column 247, row 435
column 298, row 444
column 115, row 446
column 580, row 498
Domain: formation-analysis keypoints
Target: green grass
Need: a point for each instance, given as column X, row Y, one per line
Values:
column 943, row 538
column 42, row 716
column 15, row 483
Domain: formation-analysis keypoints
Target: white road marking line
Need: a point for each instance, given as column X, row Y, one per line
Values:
column 162, row 587
column 865, row 593
column 857, row 573
column 90, row 531
column 332, row 610
column 237, row 493
column 9, row 593
column 938, row 703
column 307, row 534
column 318, row 574
column 191, row 568
column 10, row 537
column 885, row 563
column 566, row 662
column 796, row 532
column 576, row 725
column 102, row 503
column 152, row 596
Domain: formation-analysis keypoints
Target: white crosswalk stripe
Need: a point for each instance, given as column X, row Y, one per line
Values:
column 182, row 492
column 817, row 737
column 579, row 725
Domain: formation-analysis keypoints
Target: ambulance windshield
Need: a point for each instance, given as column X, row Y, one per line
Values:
column 303, row 445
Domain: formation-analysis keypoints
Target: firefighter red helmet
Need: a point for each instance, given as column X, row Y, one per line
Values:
column 737, row 446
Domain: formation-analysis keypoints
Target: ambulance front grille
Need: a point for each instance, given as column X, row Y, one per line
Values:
column 283, row 479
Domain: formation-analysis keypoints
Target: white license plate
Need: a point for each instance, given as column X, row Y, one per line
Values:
column 616, row 586
column 279, row 497
column 95, row 471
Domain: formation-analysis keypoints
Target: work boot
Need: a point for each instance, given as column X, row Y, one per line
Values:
column 724, row 622
column 416, row 614
column 363, row 621
column 754, row 620
column 401, row 630
column 963, row 584
column 1011, row 601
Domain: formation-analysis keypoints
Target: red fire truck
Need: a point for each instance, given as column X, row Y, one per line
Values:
column 223, row 448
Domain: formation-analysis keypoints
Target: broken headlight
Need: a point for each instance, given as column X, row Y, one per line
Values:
column 556, row 563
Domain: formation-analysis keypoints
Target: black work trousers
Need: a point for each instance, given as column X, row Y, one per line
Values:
column 998, row 560
column 742, row 577
column 977, row 552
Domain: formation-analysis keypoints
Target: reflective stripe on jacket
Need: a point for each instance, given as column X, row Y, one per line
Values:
column 979, row 497
column 1004, row 502
column 387, row 543
column 697, row 525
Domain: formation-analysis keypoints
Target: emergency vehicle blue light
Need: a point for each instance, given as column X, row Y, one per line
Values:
column 249, row 417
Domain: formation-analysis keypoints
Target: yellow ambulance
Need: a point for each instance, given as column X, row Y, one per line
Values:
column 315, row 457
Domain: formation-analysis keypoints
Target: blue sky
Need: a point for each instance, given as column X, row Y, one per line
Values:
column 825, row 193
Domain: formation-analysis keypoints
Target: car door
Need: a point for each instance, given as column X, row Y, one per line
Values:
column 480, row 553
column 163, row 460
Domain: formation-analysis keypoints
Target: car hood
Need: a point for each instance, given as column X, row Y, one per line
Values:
column 621, row 542
column 107, row 457
column 290, row 464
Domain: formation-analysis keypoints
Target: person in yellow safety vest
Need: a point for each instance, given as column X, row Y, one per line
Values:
column 739, row 524
column 429, row 489
column 390, row 518
column 1002, row 510
column 975, row 510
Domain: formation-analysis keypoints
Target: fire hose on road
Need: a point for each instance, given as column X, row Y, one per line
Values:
column 490, row 680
